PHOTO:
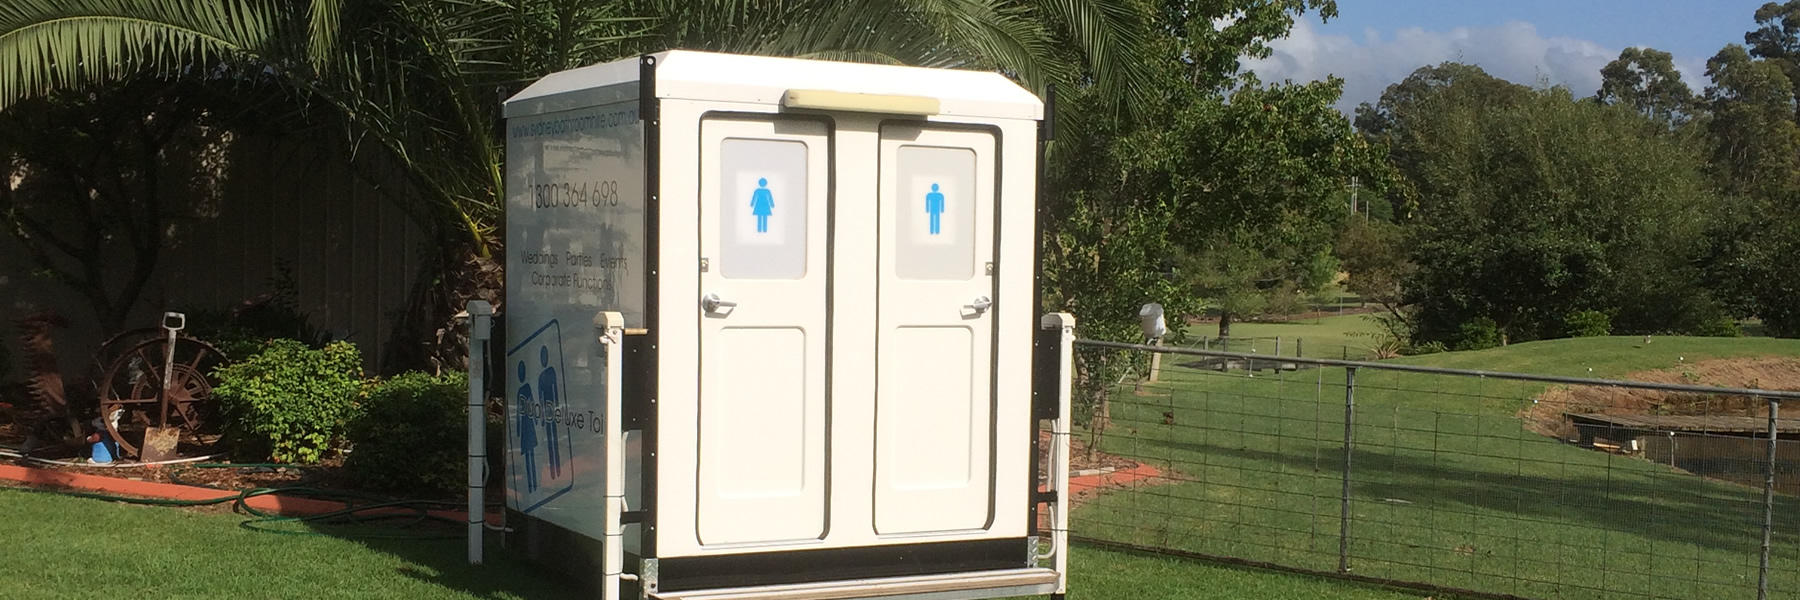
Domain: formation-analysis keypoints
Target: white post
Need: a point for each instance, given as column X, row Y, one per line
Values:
column 611, row 328
column 1156, row 363
column 481, row 317
column 1059, row 446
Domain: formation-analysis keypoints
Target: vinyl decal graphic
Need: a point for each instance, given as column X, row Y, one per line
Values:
column 545, row 455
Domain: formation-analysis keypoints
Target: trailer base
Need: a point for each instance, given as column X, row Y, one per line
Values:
column 953, row 586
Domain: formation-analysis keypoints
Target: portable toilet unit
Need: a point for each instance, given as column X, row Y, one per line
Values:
column 771, row 331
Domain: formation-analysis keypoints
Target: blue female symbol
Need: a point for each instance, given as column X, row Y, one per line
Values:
column 762, row 204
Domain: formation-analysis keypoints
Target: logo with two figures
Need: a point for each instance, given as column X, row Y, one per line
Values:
column 543, row 452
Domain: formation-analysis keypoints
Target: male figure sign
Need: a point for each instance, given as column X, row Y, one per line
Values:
column 934, row 206
column 547, row 388
column 762, row 204
column 527, row 430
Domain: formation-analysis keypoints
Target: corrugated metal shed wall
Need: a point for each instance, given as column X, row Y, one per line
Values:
column 354, row 255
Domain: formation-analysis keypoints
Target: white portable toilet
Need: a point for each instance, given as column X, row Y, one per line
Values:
column 771, row 327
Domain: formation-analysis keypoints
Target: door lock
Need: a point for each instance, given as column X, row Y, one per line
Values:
column 712, row 304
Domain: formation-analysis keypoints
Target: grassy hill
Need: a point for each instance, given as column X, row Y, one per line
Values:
column 1448, row 487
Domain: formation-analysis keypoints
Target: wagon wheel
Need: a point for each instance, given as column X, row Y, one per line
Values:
column 132, row 393
column 115, row 347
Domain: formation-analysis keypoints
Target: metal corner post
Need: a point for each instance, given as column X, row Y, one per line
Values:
column 610, row 328
column 1349, row 446
column 1768, row 524
column 1059, row 446
column 481, row 327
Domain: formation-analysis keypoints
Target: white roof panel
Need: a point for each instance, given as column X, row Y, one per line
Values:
column 691, row 75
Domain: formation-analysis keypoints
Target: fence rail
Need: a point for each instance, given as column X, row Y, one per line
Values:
column 1483, row 483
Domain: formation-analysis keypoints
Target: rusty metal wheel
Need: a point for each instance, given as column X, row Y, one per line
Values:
column 115, row 347
column 133, row 396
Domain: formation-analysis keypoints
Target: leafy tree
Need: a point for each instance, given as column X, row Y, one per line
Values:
column 1777, row 39
column 1646, row 79
column 1755, row 161
column 99, row 182
column 1756, row 143
column 1255, row 275
column 417, row 80
column 1375, row 256
column 1532, row 206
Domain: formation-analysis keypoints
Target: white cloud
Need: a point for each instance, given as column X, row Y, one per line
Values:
column 1514, row 52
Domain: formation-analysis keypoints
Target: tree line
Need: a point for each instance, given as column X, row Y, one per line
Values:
column 1167, row 154
column 1532, row 213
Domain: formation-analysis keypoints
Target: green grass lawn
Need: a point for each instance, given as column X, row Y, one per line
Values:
column 1325, row 337
column 1448, row 487
column 62, row 547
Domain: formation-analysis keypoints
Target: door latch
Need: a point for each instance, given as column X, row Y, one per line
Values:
column 981, row 304
column 712, row 304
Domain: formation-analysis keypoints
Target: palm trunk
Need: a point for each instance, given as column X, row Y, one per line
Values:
column 430, row 337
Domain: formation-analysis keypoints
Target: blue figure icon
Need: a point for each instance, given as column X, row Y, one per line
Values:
column 762, row 204
column 527, row 430
column 549, row 403
column 934, row 205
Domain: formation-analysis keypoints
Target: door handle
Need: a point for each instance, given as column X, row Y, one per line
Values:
column 712, row 304
column 981, row 304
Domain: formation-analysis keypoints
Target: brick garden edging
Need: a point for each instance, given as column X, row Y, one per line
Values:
column 269, row 503
column 293, row 507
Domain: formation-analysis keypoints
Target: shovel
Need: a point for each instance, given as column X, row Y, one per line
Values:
column 160, row 442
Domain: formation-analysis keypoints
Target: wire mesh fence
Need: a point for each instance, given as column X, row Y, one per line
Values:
column 1276, row 346
column 1486, row 484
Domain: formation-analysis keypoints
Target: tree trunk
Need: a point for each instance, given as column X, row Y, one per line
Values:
column 1224, row 324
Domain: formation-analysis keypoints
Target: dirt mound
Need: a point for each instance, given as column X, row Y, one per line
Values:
column 1545, row 415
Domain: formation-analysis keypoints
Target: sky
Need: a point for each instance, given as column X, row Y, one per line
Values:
column 1375, row 43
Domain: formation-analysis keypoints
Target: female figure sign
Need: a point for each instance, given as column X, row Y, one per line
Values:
column 762, row 204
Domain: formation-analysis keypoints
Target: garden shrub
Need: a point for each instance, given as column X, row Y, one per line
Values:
column 1479, row 333
column 1588, row 323
column 1426, row 348
column 1718, row 326
column 289, row 402
column 411, row 434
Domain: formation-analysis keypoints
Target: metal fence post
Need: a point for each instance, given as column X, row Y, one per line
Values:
column 1344, row 499
column 481, row 316
column 1762, row 577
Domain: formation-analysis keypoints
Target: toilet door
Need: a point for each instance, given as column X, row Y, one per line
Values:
column 764, row 194
column 934, row 430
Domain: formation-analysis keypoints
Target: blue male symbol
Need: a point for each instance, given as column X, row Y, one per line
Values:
column 547, row 391
column 934, row 205
column 527, row 430
column 762, row 204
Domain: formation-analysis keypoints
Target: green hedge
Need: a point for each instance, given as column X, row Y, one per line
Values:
column 1587, row 323
column 412, row 434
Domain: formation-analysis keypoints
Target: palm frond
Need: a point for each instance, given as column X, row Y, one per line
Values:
column 47, row 45
column 1110, row 35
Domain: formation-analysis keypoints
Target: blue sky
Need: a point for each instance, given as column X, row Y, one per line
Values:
column 1374, row 43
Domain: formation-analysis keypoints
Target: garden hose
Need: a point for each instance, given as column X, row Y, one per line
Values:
column 412, row 513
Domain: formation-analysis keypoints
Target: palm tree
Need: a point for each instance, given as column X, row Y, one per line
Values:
column 420, row 80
